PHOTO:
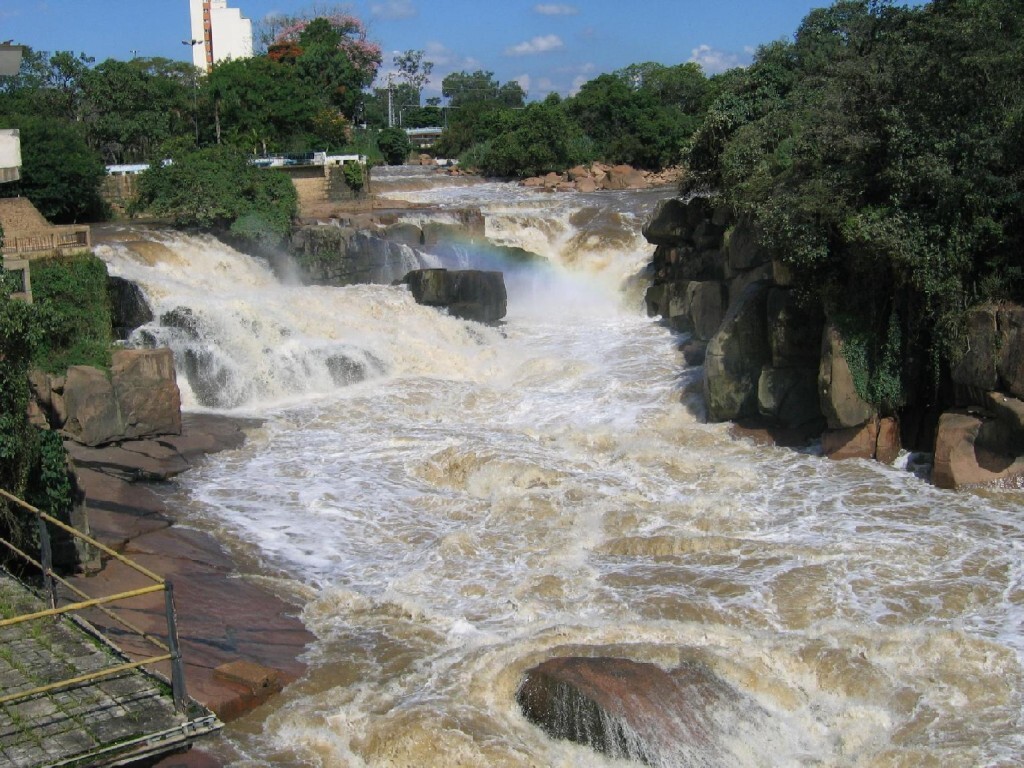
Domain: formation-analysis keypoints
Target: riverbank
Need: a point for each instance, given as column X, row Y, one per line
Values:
column 241, row 641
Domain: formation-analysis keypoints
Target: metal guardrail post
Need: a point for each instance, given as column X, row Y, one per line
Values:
column 177, row 665
column 47, row 557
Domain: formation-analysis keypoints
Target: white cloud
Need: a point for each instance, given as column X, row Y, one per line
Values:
column 539, row 44
column 393, row 9
column 713, row 61
column 524, row 82
column 555, row 9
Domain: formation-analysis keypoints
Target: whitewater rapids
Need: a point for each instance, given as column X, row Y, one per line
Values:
column 468, row 501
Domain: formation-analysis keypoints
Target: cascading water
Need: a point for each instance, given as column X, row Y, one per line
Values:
column 478, row 500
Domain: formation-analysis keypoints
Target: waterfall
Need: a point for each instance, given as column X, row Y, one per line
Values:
column 243, row 339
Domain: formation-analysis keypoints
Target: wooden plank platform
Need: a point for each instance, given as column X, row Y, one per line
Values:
column 111, row 721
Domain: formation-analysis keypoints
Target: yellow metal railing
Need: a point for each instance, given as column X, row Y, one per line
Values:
column 51, row 580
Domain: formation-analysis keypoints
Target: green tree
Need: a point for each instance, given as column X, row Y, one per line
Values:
column 46, row 85
column 19, row 334
column 217, row 189
column 534, row 141
column 72, row 311
column 260, row 105
column 60, row 174
column 626, row 123
column 124, row 109
column 332, row 51
column 394, row 145
column 131, row 107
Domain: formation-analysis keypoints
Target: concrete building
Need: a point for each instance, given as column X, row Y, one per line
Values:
column 218, row 33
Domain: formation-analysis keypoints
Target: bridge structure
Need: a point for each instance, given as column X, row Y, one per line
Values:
column 70, row 695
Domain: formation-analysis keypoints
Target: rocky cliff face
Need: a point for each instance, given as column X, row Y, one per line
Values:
column 770, row 361
column 760, row 349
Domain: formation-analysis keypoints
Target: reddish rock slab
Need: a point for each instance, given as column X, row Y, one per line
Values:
column 223, row 618
column 887, row 444
column 971, row 450
column 633, row 710
column 129, row 465
column 852, row 442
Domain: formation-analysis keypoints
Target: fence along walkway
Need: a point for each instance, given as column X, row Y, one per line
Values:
column 68, row 695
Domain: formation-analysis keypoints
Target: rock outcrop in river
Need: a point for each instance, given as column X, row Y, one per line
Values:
column 771, row 361
column 471, row 294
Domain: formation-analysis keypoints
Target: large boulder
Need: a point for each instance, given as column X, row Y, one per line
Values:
column 625, row 177
column 744, row 249
column 735, row 356
column 140, row 398
column 994, row 356
column 842, row 406
column 336, row 255
column 468, row 293
column 689, row 306
column 92, row 414
column 638, row 711
column 976, row 370
column 793, row 332
column 972, row 450
column 147, row 392
column 789, row 397
column 668, row 224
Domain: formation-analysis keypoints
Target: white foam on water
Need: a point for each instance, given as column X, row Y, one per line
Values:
column 495, row 497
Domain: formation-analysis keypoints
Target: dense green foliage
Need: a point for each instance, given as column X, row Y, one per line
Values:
column 19, row 336
column 218, row 189
column 72, row 312
column 394, row 144
column 32, row 461
column 530, row 142
column 643, row 115
column 880, row 154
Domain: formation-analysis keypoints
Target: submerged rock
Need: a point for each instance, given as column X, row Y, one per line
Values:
column 638, row 711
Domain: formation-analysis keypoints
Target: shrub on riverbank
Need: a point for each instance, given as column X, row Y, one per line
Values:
column 68, row 324
column 217, row 190
column 73, row 313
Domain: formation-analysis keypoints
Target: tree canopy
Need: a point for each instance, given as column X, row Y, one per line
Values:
column 216, row 188
column 880, row 154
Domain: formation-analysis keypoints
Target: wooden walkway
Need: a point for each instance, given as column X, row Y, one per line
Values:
column 114, row 720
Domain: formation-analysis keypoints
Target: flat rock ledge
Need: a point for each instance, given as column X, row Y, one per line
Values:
column 241, row 642
column 639, row 711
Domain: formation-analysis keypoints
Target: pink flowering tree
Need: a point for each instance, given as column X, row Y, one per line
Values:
column 331, row 51
column 364, row 54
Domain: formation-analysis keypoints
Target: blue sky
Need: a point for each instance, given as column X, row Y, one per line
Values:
column 546, row 46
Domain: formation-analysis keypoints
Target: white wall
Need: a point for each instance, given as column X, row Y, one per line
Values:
column 10, row 154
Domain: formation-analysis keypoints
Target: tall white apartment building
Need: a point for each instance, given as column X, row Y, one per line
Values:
column 218, row 33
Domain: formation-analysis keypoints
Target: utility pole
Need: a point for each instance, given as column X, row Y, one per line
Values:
column 391, row 106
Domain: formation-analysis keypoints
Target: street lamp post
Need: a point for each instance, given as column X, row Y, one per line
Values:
column 195, row 89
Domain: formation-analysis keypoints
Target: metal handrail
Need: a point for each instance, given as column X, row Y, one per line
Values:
column 51, row 580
